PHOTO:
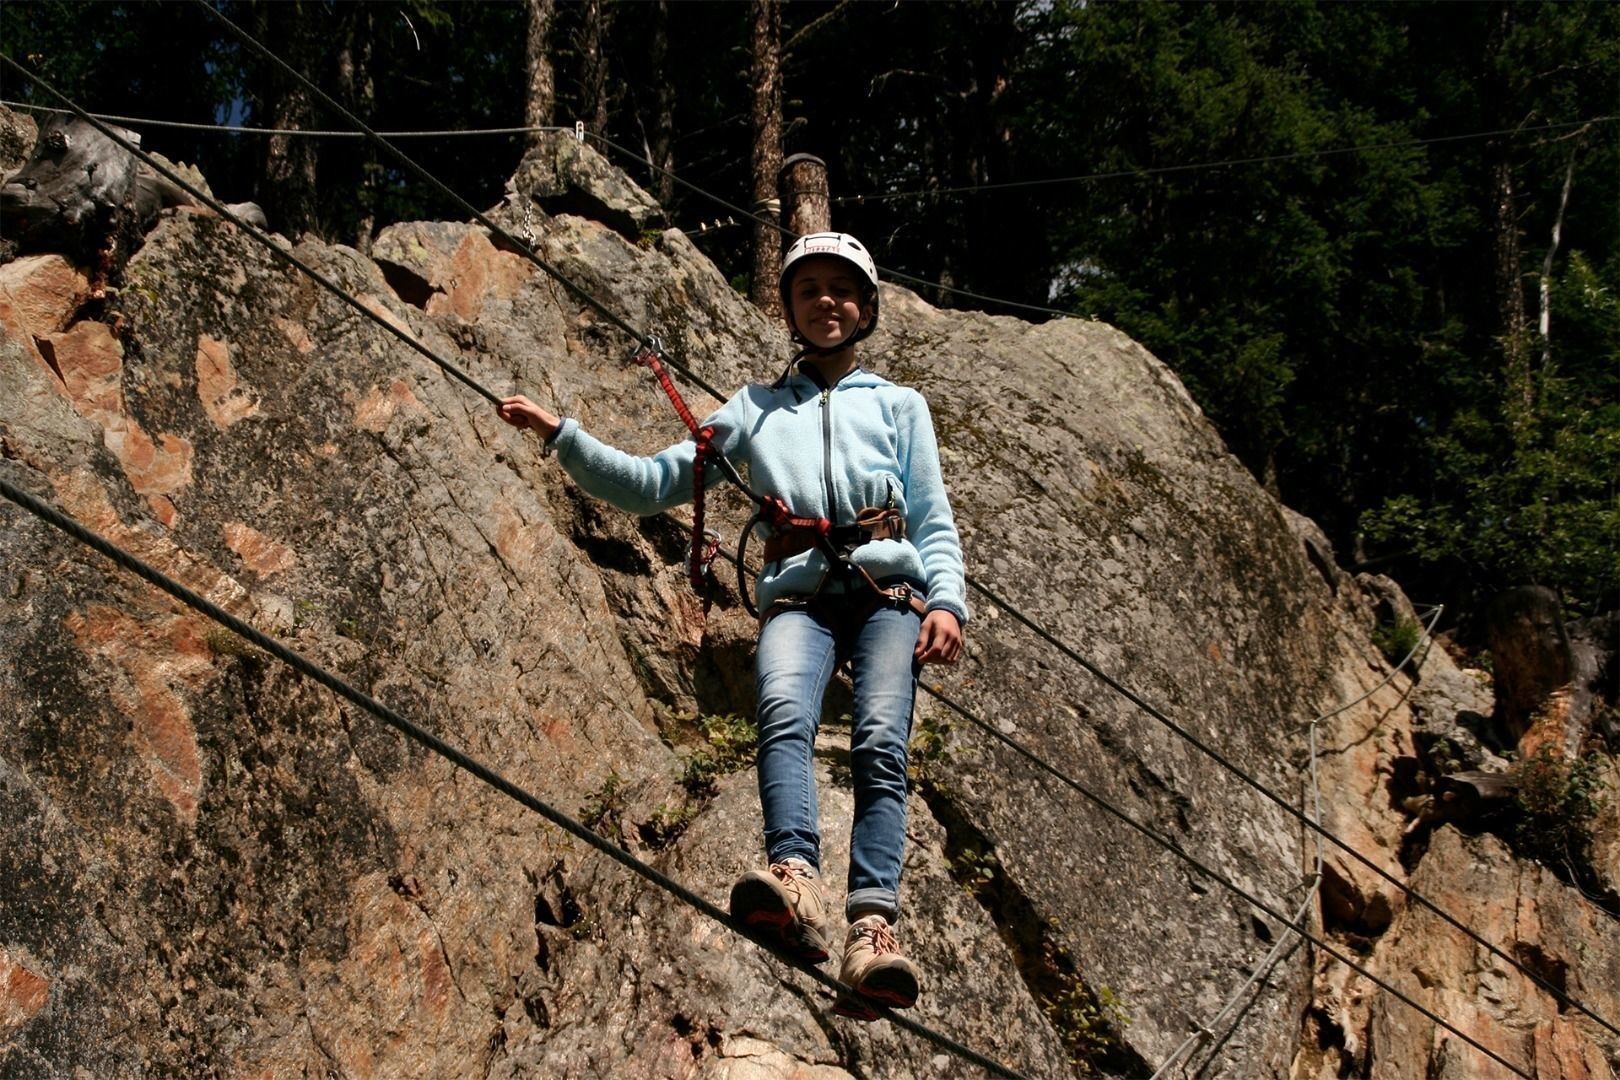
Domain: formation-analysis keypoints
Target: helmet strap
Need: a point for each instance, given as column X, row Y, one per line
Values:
column 792, row 364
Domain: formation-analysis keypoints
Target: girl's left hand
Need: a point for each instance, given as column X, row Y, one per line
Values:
column 941, row 639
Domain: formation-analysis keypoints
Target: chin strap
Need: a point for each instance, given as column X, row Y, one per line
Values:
column 793, row 362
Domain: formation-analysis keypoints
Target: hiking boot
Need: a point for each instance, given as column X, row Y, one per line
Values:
column 784, row 907
column 874, row 968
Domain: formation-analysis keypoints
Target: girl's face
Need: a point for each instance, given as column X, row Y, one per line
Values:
column 825, row 298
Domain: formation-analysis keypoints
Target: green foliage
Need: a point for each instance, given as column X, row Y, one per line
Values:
column 1089, row 1021
column 306, row 612
column 222, row 642
column 1396, row 638
column 975, row 866
column 1537, row 505
column 729, row 746
column 1559, row 802
column 1336, row 313
column 929, row 745
column 667, row 824
column 603, row 809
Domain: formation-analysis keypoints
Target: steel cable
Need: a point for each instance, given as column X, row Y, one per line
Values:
column 455, row 756
column 1176, row 849
column 1220, row 759
column 1303, row 818
column 1196, row 166
column 304, row 666
column 238, row 129
column 1170, row 845
column 438, row 185
column 580, row 293
column 298, row 662
column 1262, row 970
column 779, row 227
column 264, row 239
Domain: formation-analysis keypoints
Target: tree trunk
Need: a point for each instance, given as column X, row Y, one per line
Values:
column 1530, row 653
column 766, row 125
column 1520, row 402
column 993, row 240
column 1519, row 394
column 1545, row 325
column 77, row 192
column 540, row 102
column 661, row 140
column 802, row 187
column 360, row 92
column 289, row 174
column 593, row 68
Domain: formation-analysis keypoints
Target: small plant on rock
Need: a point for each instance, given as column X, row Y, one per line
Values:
column 603, row 808
column 728, row 746
column 1089, row 1021
column 667, row 824
column 1397, row 638
column 928, row 746
column 975, row 866
column 1559, row 801
column 223, row 642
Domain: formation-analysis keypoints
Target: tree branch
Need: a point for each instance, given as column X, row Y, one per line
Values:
column 813, row 25
column 1547, row 265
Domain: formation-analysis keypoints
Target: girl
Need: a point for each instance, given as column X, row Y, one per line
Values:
column 830, row 440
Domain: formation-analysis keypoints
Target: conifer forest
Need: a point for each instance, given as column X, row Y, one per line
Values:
column 1379, row 243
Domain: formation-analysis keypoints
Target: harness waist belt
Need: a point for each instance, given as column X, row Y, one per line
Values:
column 872, row 523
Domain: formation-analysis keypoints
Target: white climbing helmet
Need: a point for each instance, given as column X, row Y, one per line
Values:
column 839, row 246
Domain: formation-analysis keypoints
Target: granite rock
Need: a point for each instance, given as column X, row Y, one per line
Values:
column 220, row 868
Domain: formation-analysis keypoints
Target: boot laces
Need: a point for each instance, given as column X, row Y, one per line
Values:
column 880, row 934
column 793, row 877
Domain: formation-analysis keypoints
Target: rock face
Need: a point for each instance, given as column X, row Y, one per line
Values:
column 17, row 134
column 78, row 191
column 213, row 866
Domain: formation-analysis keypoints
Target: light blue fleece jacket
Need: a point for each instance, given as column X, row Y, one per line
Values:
column 825, row 452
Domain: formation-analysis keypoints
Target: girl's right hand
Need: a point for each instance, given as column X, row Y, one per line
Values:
column 520, row 412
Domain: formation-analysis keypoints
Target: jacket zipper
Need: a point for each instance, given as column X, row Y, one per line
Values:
column 826, row 452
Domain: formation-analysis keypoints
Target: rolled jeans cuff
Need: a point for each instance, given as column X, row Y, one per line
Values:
column 866, row 901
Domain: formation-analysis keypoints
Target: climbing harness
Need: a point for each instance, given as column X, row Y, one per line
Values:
column 792, row 534
column 705, row 542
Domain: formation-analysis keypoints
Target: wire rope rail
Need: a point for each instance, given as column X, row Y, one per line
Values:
column 1297, row 923
column 575, row 289
column 779, row 227
column 1206, row 1032
column 461, row 760
column 858, row 198
column 457, row 757
column 591, row 301
column 1198, row 166
column 1179, row 730
column 239, row 129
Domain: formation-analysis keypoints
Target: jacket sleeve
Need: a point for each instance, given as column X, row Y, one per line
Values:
column 929, row 521
column 648, row 485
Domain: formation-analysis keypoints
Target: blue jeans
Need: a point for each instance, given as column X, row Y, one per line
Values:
column 799, row 649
